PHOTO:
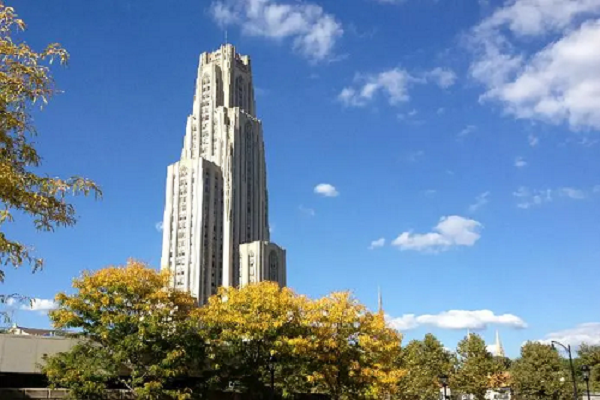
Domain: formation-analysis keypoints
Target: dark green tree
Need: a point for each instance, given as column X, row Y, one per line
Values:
column 424, row 361
column 475, row 366
column 590, row 355
column 540, row 374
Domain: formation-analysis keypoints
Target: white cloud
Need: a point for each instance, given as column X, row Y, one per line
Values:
column 408, row 115
column 313, row 32
column 556, row 82
column 533, row 140
column 443, row 77
column 35, row 304
column 457, row 319
column 159, row 226
column 392, row 83
column 528, row 198
column 450, row 232
column 480, row 201
column 467, row 130
column 377, row 243
column 491, row 348
column 307, row 211
column 326, row 190
column 403, row 323
column 572, row 193
column 588, row 333
column 520, row 162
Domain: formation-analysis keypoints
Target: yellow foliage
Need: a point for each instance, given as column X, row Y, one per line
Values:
column 500, row 380
column 24, row 80
column 319, row 340
column 352, row 349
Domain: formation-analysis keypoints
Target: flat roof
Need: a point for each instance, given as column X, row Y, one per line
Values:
column 23, row 353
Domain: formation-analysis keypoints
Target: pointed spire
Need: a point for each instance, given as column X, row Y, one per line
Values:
column 379, row 300
column 499, row 349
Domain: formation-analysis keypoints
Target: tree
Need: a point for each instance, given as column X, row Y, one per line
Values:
column 25, row 80
column 590, row 355
column 539, row 373
column 475, row 366
column 244, row 327
column 135, row 325
column 86, row 370
column 350, row 352
column 424, row 361
column 331, row 345
column 500, row 377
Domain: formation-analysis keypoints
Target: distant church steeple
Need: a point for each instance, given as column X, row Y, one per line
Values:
column 379, row 301
column 498, row 349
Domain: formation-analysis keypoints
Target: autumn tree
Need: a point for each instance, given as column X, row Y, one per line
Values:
column 424, row 361
column 474, row 367
column 25, row 81
column 350, row 352
column 243, row 328
column 131, row 324
column 539, row 373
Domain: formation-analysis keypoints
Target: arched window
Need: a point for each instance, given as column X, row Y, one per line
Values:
column 273, row 266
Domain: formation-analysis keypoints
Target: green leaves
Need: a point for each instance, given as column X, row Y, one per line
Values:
column 475, row 367
column 540, row 373
column 424, row 361
column 86, row 370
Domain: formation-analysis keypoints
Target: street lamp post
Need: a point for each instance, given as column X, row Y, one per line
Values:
column 585, row 371
column 568, row 349
column 444, row 381
column 272, row 361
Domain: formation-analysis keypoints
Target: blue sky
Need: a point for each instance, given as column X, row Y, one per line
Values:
column 456, row 145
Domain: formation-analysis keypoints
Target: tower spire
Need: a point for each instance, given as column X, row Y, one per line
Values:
column 379, row 300
column 499, row 349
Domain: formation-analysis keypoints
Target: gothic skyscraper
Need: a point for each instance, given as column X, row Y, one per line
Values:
column 216, row 222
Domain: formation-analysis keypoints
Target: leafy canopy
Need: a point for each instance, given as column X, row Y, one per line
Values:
column 475, row 367
column 129, row 315
column 424, row 362
column 540, row 374
column 244, row 327
column 25, row 80
column 349, row 352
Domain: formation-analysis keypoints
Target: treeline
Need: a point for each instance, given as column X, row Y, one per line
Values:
column 154, row 340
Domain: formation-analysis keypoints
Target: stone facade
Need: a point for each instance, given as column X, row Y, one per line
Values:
column 262, row 261
column 209, row 215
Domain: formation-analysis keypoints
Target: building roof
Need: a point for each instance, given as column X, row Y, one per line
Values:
column 35, row 331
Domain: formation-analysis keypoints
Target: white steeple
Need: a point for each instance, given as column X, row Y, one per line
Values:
column 498, row 349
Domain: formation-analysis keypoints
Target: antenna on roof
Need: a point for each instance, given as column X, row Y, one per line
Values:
column 225, row 36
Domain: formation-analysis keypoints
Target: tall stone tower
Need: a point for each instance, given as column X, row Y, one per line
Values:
column 216, row 222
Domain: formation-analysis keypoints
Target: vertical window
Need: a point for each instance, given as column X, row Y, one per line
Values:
column 273, row 266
